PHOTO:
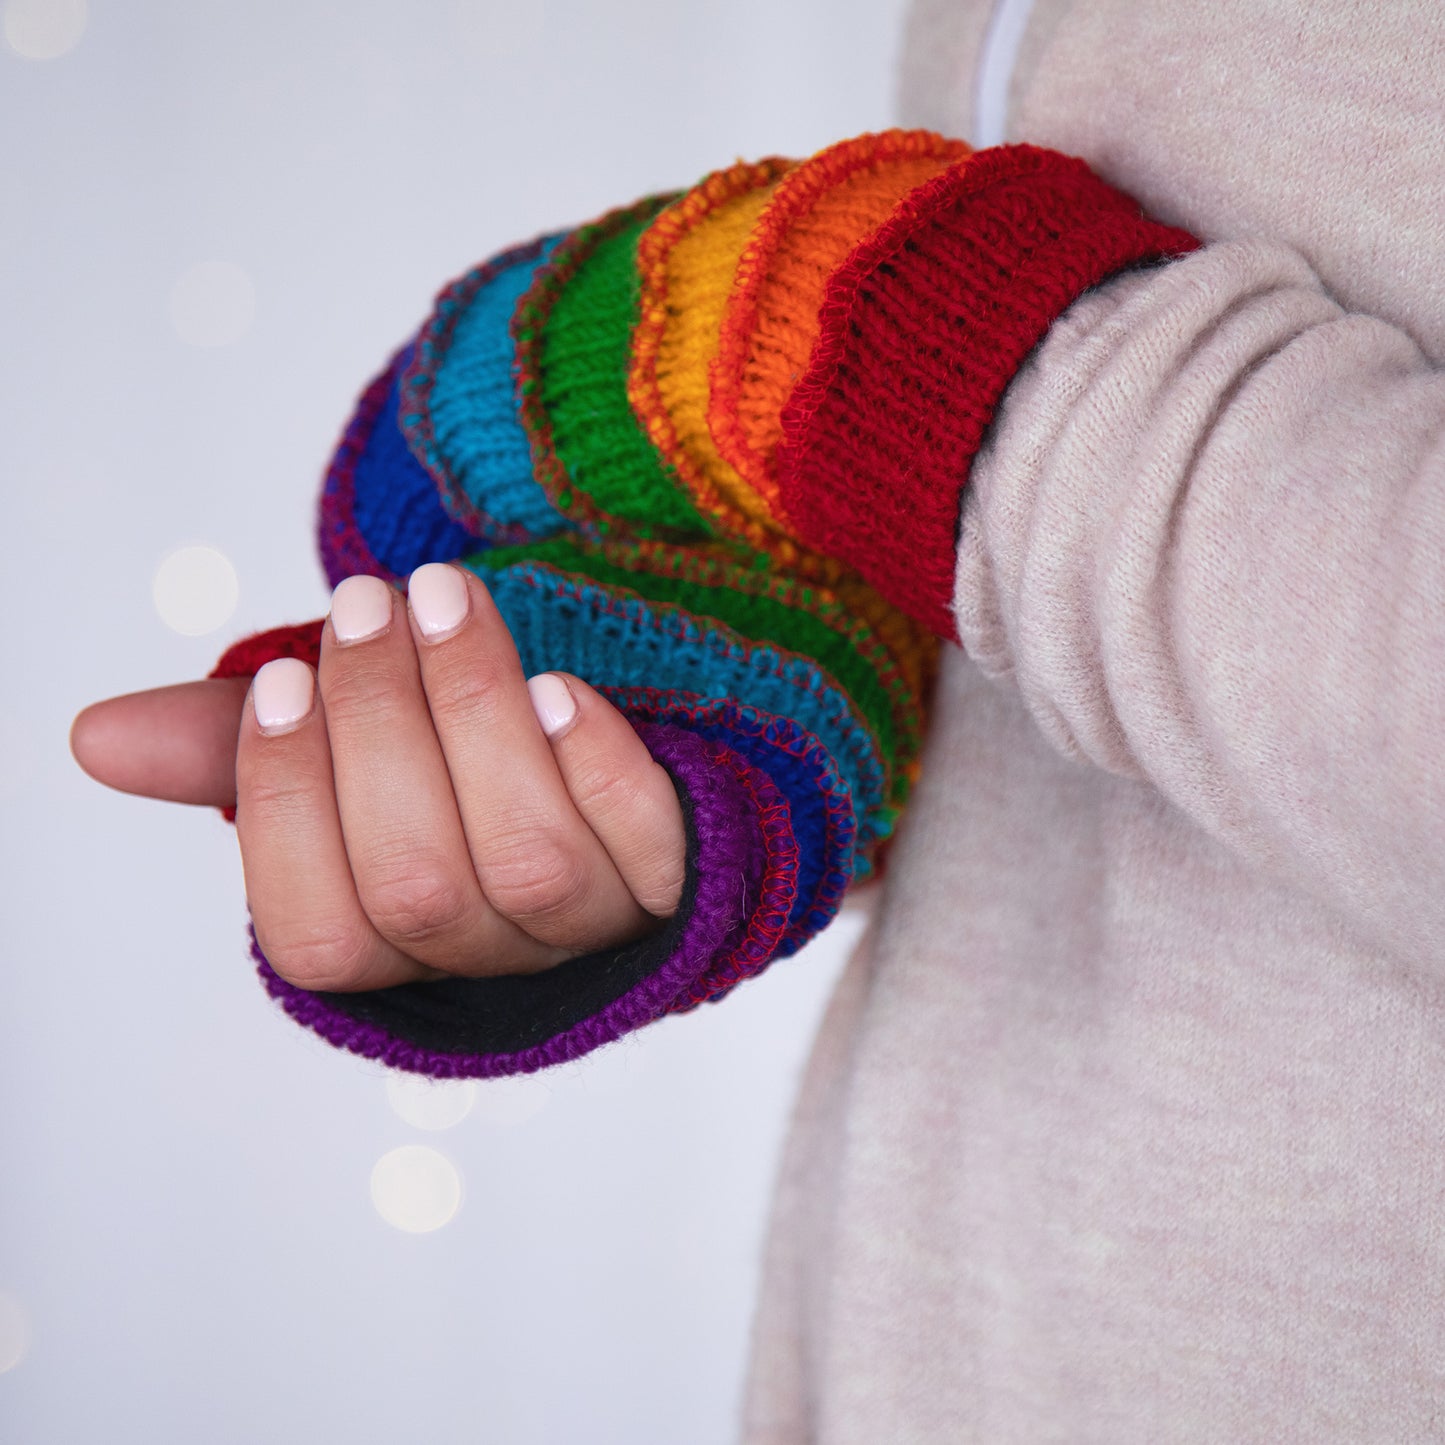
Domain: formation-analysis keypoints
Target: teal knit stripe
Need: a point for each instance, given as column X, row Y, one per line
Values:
column 612, row 636
column 459, row 402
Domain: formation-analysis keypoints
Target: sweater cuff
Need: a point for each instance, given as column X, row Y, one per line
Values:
column 922, row 329
column 750, row 896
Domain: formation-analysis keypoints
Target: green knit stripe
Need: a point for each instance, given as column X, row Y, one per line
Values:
column 899, row 654
column 778, row 611
column 574, row 331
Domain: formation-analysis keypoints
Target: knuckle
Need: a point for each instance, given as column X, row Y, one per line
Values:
column 536, row 883
column 665, row 877
column 275, row 794
column 416, row 905
column 322, row 959
column 367, row 689
column 462, row 696
column 607, row 791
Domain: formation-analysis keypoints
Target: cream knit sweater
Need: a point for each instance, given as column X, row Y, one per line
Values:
column 1127, row 1123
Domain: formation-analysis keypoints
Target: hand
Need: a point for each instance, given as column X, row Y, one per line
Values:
column 426, row 811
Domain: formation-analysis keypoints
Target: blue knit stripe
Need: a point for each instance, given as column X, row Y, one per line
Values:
column 612, row 637
column 473, row 439
column 827, row 861
column 396, row 507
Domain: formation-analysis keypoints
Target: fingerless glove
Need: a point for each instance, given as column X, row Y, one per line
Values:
column 708, row 452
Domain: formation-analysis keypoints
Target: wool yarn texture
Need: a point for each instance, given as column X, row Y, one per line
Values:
column 708, row 452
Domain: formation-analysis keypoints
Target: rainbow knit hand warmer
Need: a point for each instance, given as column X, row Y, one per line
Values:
column 708, row 453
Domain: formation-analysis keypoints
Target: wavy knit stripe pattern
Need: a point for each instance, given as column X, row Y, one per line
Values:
column 922, row 327
column 908, row 657
column 817, row 214
column 822, row 822
column 459, row 409
column 686, row 260
column 573, row 329
column 708, row 453
column 776, row 611
column 615, row 637
column 379, row 511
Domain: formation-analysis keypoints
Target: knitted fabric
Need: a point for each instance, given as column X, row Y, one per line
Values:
column 923, row 326
column 816, row 215
column 778, row 611
column 713, row 449
column 459, row 409
column 821, row 818
column 573, row 328
column 379, row 511
column 615, row 637
column 686, row 260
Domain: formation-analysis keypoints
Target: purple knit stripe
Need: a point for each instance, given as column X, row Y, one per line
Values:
column 729, row 848
column 813, row 776
column 776, row 898
column 344, row 551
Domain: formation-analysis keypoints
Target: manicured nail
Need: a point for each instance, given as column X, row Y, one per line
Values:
column 439, row 599
column 282, row 694
column 552, row 701
column 360, row 608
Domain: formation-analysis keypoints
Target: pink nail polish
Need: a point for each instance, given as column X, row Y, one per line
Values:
column 360, row 608
column 439, row 599
column 552, row 701
column 282, row 694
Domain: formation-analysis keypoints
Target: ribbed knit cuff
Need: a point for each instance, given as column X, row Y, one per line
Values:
column 922, row 329
column 749, row 898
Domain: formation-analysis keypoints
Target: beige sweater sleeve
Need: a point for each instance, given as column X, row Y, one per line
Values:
column 1205, row 538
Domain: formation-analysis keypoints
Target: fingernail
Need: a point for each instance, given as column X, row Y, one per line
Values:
column 360, row 608
column 282, row 694
column 552, row 701
column 439, row 598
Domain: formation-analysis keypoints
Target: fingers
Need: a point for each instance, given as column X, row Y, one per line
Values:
column 538, row 861
column 627, row 799
column 410, row 855
column 304, row 905
column 175, row 743
column 416, row 808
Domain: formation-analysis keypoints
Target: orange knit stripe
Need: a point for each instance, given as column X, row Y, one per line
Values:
column 686, row 260
column 817, row 215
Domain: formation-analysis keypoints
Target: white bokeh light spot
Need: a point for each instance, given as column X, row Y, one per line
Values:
column 14, row 1331
column 212, row 304
column 512, row 1100
column 416, row 1189
column 44, row 29
column 430, row 1103
column 195, row 590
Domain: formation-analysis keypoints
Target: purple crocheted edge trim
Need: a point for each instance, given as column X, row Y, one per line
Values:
column 728, row 845
column 776, row 896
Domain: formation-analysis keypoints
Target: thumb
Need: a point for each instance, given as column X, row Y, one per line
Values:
column 176, row 743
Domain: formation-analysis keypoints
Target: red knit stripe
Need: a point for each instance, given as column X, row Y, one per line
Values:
column 924, row 326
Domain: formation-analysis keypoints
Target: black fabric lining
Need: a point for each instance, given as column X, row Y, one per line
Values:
column 519, row 1011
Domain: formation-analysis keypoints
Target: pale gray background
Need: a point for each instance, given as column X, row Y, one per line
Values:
column 188, row 1245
